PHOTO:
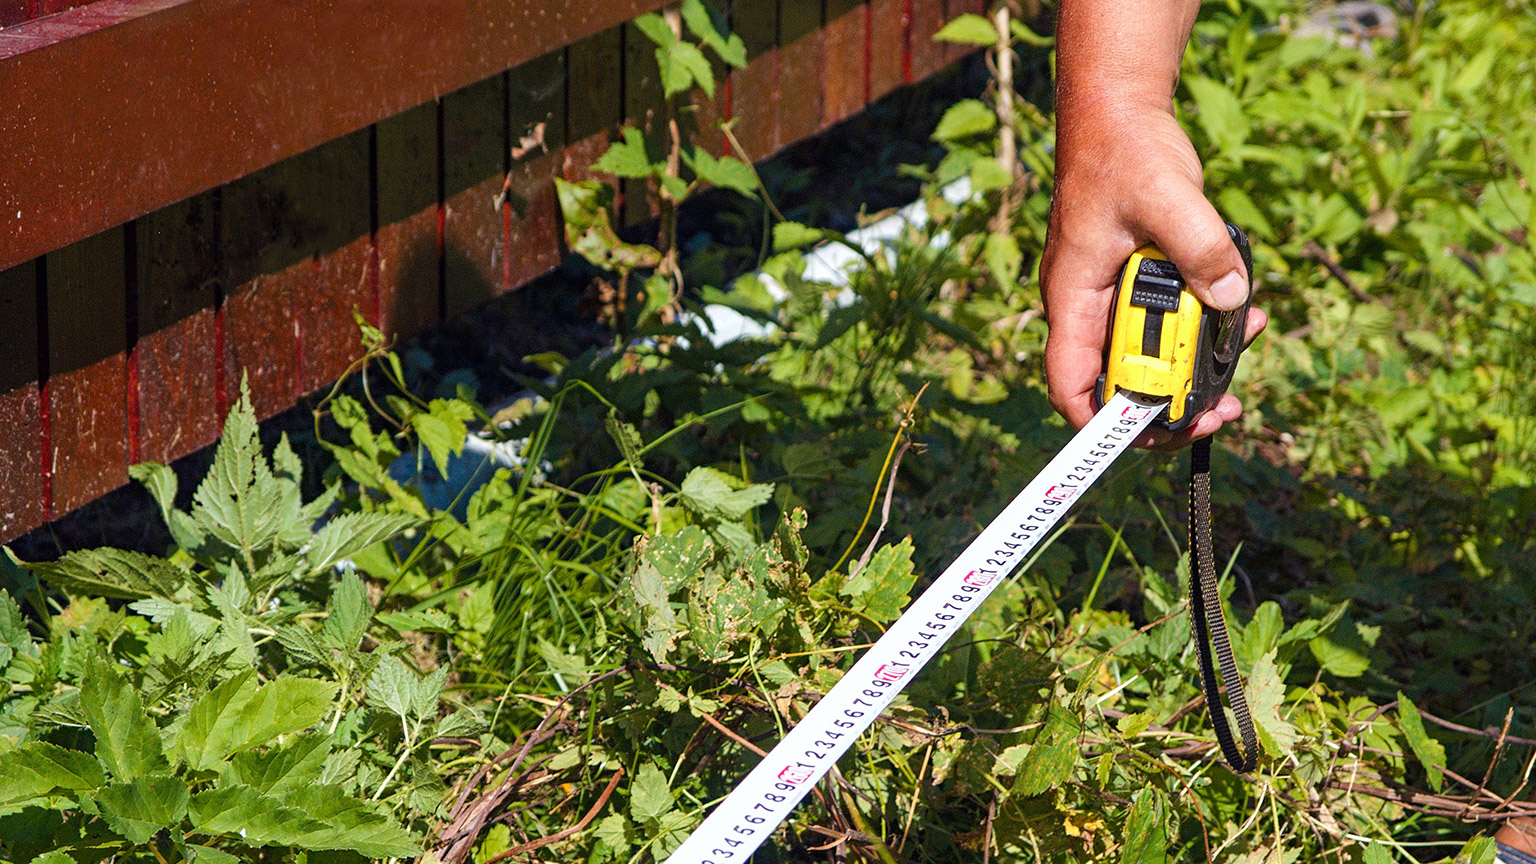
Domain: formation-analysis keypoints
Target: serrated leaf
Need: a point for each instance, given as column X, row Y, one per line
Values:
column 1145, row 841
column 127, row 742
column 257, row 819
column 350, row 533
column 161, row 483
column 793, row 235
column 424, row 621
column 1341, row 650
column 682, row 66
column 714, row 494
column 442, row 430
column 655, row 28
column 626, row 157
column 208, row 855
column 881, row 586
column 964, row 119
column 589, row 232
column 615, row 832
column 649, row 797
column 1479, row 850
column 348, row 614
column 627, row 437
column 968, row 29
column 15, row 639
column 711, row 29
column 1431, row 753
column 1220, row 113
column 36, row 769
column 139, row 809
column 397, row 688
column 117, row 573
column 1266, row 693
column 1376, row 853
column 296, row 763
column 240, row 503
column 351, row 824
column 727, row 172
column 237, row 715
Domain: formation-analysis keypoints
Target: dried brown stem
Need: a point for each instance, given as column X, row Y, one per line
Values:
column 564, row 833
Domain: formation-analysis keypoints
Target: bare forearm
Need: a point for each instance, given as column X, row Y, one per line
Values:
column 1113, row 52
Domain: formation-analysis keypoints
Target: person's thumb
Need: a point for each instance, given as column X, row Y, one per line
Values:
column 1195, row 239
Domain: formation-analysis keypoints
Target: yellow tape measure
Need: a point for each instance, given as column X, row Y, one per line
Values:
column 1164, row 344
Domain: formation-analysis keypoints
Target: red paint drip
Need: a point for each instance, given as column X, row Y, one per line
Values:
column 131, row 373
column 506, row 246
column 869, row 51
column 374, row 289
column 45, row 440
column 730, row 108
column 906, row 41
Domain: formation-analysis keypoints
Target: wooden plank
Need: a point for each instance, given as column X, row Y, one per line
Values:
column 475, row 156
column 175, row 354
column 86, row 96
column 800, row 70
column 260, row 341
column 86, row 385
column 532, row 213
column 21, row 455
column 885, row 46
column 14, row 12
column 845, row 79
column 594, row 99
column 406, row 239
column 927, row 17
column 954, row 9
column 755, row 89
column 644, row 108
column 332, row 195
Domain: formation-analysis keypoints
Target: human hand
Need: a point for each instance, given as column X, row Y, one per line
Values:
column 1127, row 175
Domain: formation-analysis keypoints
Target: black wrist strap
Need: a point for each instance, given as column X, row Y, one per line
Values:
column 1210, row 626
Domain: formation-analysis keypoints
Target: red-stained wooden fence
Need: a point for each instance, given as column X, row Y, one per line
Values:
column 195, row 190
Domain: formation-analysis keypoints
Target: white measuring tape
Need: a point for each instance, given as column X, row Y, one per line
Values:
column 765, row 797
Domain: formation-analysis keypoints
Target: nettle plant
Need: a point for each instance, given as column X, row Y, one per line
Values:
column 237, row 699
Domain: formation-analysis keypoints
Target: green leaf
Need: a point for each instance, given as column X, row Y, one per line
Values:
column 350, row 533
column 1342, row 650
column 1479, row 850
column 348, row 614
column 968, row 29
column 727, row 171
column 236, row 716
column 655, row 28
column 682, row 65
column 627, row 157
column 649, row 797
column 1266, row 693
column 397, row 688
column 441, row 430
column 709, row 27
column 209, row 855
column 1220, row 113
column 314, row 817
column 127, row 742
column 880, row 587
column 15, row 639
column 627, row 437
column 793, row 235
column 1004, row 259
column 715, row 494
column 989, row 175
column 1052, row 757
column 1376, row 853
column 589, row 232
column 964, row 119
column 1145, row 840
column 296, row 763
column 614, row 830
column 139, row 809
column 37, row 769
column 1431, row 753
column 352, row 824
column 240, row 503
column 117, row 573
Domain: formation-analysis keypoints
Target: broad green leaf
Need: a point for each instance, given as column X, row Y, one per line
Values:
column 257, row 819
column 240, row 503
column 1376, row 853
column 588, row 230
column 968, row 29
column 1341, row 650
column 1220, row 113
column 649, row 797
column 1479, row 850
column 727, row 171
column 989, row 175
column 15, row 639
column 1145, row 841
column 237, row 715
column 1476, row 71
column 161, row 483
column 441, row 430
column 709, row 27
column 964, row 119
column 715, row 494
column 1431, row 753
column 793, row 235
column 139, row 809
column 37, row 769
column 1003, row 257
column 614, row 830
column 392, row 686
column 118, row 573
column 209, row 855
column 296, row 763
column 351, row 824
column 880, row 587
column 127, row 742
column 682, row 66
column 655, row 28
column 1266, row 693
column 627, row 157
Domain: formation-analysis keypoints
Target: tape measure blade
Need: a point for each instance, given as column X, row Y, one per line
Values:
column 767, row 795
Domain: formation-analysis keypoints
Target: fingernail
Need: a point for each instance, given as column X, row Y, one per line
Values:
column 1230, row 291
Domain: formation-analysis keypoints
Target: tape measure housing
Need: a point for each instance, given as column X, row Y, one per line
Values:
column 1164, row 344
